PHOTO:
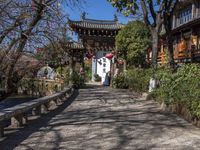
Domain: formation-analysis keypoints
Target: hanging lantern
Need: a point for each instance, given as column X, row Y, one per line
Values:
column 89, row 55
column 120, row 61
column 109, row 56
column 94, row 57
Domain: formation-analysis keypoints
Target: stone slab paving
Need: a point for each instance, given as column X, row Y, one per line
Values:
column 104, row 119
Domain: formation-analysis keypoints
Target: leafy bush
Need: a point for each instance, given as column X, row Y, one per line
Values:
column 65, row 74
column 182, row 88
column 88, row 72
column 163, row 76
column 179, row 88
column 138, row 79
column 120, row 81
column 76, row 80
column 132, row 42
column 97, row 78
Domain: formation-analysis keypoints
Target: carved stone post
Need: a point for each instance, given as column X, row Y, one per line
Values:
column 36, row 111
column 44, row 109
column 66, row 96
column 54, row 103
column 51, row 105
column 24, row 119
column 17, row 121
column 58, row 101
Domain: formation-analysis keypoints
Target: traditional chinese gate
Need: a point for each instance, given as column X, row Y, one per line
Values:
column 98, row 38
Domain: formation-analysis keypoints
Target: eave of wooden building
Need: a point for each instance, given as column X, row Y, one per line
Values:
column 95, row 24
column 187, row 25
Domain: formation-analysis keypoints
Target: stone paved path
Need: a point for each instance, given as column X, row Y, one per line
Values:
column 104, row 119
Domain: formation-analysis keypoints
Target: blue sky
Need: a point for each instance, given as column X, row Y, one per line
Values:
column 96, row 9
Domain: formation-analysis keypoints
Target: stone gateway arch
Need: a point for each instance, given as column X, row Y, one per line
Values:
column 98, row 38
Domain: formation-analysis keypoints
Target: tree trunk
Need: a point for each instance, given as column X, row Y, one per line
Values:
column 125, row 62
column 8, row 85
column 170, row 51
column 72, row 66
column 155, row 37
column 152, row 82
column 82, row 61
column 22, row 43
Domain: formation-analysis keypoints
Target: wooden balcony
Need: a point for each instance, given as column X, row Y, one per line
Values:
column 196, row 55
column 161, row 58
column 184, row 56
column 187, row 22
column 188, row 56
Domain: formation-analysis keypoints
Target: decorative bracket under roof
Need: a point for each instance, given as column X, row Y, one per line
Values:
column 115, row 18
column 83, row 16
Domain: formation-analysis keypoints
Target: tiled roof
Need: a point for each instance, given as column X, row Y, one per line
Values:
column 96, row 24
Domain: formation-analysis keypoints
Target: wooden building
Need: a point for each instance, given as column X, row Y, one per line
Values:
column 98, row 38
column 186, row 33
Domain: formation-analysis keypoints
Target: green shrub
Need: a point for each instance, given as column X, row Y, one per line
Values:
column 76, row 79
column 97, row 78
column 138, row 79
column 181, row 87
column 65, row 73
column 163, row 76
column 88, row 72
column 120, row 81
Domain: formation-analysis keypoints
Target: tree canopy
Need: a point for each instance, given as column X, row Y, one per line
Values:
column 132, row 42
column 26, row 25
column 154, row 13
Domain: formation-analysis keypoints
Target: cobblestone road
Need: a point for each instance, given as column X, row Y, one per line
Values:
column 103, row 119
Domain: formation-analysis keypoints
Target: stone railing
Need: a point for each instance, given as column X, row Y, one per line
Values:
column 18, row 115
column 39, row 87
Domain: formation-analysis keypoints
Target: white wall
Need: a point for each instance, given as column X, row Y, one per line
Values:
column 103, row 64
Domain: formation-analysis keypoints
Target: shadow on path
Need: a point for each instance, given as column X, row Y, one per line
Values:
column 13, row 139
column 102, row 118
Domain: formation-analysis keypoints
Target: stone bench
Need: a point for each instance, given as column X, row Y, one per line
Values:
column 18, row 114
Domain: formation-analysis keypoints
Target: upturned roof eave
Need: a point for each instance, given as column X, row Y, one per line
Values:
column 98, row 26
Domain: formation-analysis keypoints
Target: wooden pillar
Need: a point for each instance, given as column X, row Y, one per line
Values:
column 110, row 74
column 193, row 11
column 94, row 67
column 198, row 10
column 72, row 67
column 82, row 60
column 174, row 21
